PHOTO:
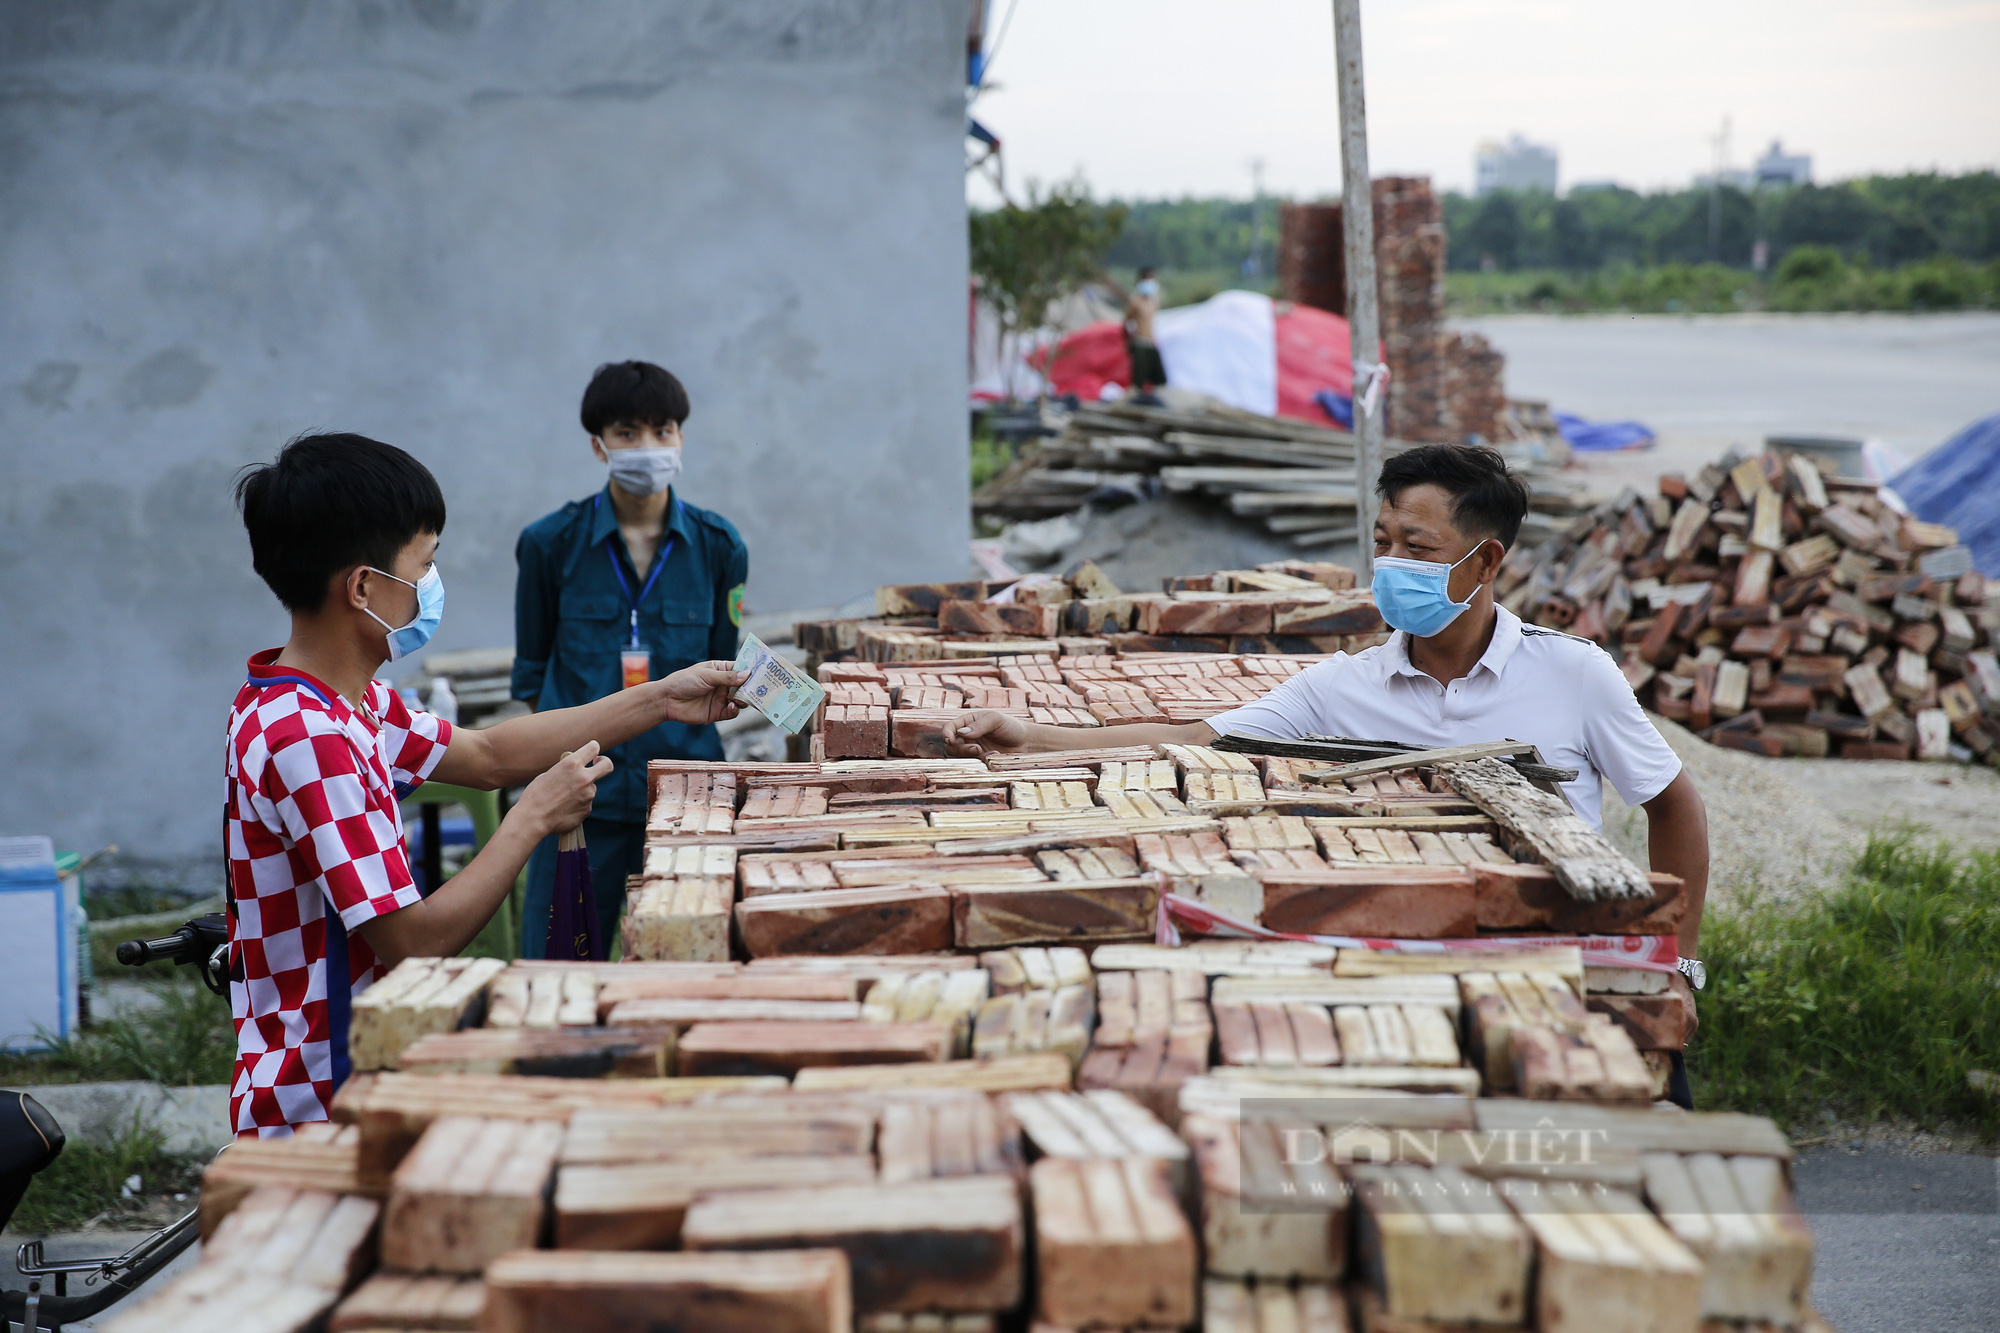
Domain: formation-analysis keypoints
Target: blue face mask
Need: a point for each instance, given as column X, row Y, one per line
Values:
column 430, row 610
column 1414, row 596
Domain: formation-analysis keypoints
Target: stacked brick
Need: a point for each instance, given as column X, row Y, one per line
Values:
column 1444, row 385
column 943, row 1078
column 1778, row 609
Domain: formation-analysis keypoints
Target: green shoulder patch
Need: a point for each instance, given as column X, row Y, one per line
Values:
column 736, row 606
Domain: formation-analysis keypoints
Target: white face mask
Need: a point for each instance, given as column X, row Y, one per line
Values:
column 645, row 471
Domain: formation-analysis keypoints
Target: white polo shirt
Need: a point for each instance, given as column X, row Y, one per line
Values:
column 1559, row 693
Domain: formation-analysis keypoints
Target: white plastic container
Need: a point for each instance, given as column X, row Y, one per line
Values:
column 38, row 943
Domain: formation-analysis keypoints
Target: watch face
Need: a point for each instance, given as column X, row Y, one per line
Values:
column 1695, row 971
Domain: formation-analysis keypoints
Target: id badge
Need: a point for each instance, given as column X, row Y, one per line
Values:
column 638, row 665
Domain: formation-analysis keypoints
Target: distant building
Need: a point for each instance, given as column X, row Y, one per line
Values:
column 1778, row 167
column 1514, row 165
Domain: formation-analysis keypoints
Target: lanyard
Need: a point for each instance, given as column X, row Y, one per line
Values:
column 659, row 563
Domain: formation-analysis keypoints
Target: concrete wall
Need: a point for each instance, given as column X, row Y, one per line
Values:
column 226, row 221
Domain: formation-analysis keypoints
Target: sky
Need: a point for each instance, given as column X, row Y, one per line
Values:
column 1163, row 98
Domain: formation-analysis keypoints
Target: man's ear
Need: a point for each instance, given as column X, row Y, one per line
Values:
column 1491, row 555
column 597, row 449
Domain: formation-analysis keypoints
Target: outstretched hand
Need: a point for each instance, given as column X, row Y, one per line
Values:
column 983, row 731
column 700, row 694
column 560, row 798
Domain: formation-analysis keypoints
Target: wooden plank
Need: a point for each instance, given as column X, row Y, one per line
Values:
column 800, row 1291
column 947, row 1245
column 471, row 1190
column 904, row 920
column 1111, row 1245
column 1395, row 763
column 786, row 1048
column 1583, row 861
column 993, row 916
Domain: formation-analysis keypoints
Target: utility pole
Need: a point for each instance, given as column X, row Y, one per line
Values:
column 1364, row 319
column 1253, row 266
column 1721, row 142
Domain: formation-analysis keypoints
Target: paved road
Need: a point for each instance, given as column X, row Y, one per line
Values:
column 1904, row 1242
column 1704, row 382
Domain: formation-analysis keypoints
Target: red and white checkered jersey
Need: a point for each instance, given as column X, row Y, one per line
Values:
column 312, row 818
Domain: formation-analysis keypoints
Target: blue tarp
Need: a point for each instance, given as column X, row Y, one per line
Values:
column 1603, row 437
column 1958, row 484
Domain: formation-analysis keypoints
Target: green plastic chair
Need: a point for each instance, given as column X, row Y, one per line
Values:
column 484, row 807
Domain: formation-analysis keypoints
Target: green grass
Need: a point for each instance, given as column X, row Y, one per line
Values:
column 1873, row 1002
column 185, row 1040
column 1812, row 278
column 87, row 1182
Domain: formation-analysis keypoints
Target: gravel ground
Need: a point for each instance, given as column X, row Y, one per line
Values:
column 1787, row 826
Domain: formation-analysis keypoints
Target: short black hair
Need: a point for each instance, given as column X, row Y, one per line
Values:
column 636, row 393
column 329, row 502
column 1487, row 499
column 1145, row 271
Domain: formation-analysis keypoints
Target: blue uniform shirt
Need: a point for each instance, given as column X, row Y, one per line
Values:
column 572, row 619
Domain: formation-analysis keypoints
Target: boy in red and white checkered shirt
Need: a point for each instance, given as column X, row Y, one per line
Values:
column 345, row 531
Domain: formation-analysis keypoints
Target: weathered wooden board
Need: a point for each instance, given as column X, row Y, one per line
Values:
column 1584, row 862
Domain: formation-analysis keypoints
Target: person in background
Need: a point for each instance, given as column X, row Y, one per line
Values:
column 622, row 587
column 1458, row 670
column 1149, row 372
column 345, row 529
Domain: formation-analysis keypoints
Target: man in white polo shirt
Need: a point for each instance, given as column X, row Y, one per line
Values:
column 1458, row 670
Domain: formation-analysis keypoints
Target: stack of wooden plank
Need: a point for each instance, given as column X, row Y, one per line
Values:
column 1775, row 608
column 1295, row 477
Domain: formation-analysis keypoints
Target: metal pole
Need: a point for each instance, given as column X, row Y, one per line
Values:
column 1363, row 298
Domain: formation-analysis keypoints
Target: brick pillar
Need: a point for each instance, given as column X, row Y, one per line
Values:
column 1410, row 259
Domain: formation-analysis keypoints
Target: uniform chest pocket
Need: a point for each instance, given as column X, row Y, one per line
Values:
column 591, row 625
column 679, row 630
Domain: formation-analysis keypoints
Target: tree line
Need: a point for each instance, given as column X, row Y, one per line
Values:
column 1883, row 221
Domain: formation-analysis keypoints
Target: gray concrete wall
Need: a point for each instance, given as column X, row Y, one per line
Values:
column 223, row 222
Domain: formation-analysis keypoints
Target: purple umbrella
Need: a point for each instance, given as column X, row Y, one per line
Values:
column 573, row 913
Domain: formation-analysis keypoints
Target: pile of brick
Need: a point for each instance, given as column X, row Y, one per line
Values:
column 1279, row 608
column 1776, row 608
column 932, row 1072
column 1444, row 384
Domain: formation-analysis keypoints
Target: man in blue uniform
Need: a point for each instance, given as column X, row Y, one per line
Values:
column 618, row 588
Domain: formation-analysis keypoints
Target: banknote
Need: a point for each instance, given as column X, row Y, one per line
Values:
column 777, row 689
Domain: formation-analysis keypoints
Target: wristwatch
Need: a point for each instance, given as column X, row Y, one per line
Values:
column 1695, row 972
